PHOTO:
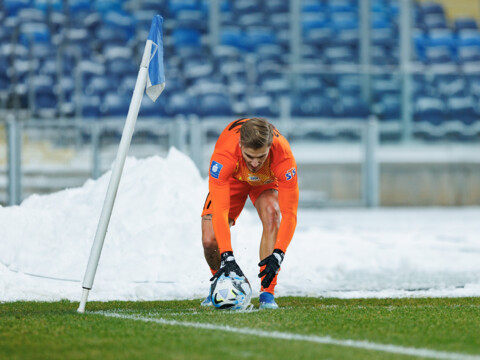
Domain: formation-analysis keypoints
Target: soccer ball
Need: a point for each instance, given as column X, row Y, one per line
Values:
column 231, row 292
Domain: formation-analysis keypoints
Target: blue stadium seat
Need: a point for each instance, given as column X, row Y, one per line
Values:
column 114, row 104
column 111, row 35
column 389, row 108
column 468, row 37
column 34, row 32
column 192, row 19
column 232, row 36
column 91, row 106
column 185, row 37
column 175, row 6
column 148, row 108
column 256, row 37
column 463, row 23
column 339, row 55
column 431, row 7
column 307, row 85
column 349, row 85
column 462, row 108
column 276, row 6
column 429, row 109
column 449, row 86
column 105, row 6
column 48, row 5
column 246, row 7
column 12, row 7
column 312, row 106
column 214, row 105
column 260, row 104
column 101, row 85
column 182, row 104
column 467, row 54
column 353, row 107
column 435, row 21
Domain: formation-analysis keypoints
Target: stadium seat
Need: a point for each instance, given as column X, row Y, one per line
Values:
column 429, row 109
column 114, row 104
column 214, row 105
column 462, row 108
column 467, row 54
column 262, row 105
column 182, row 104
column 12, row 7
column 156, row 109
column 448, row 86
column 389, row 108
column 353, row 107
column 312, row 106
column 339, row 54
column 101, row 85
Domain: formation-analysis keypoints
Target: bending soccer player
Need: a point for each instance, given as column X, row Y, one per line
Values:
column 251, row 158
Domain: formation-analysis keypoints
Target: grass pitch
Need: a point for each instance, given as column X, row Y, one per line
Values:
column 448, row 328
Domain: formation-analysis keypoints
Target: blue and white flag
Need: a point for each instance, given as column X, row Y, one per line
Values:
column 156, row 72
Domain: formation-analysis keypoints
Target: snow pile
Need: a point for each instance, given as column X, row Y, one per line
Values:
column 153, row 247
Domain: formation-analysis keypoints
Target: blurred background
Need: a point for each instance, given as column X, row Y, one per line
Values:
column 379, row 98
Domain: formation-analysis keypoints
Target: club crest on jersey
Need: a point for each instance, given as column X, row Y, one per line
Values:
column 290, row 174
column 215, row 169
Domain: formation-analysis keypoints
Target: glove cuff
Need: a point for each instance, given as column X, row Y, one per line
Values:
column 227, row 256
column 279, row 255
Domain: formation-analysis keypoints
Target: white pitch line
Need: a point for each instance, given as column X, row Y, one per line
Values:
column 394, row 349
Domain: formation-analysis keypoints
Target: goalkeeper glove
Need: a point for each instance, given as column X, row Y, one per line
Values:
column 272, row 266
column 227, row 266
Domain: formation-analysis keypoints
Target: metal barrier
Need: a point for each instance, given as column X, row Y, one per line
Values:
column 188, row 135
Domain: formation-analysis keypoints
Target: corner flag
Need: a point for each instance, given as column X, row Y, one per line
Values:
column 151, row 78
column 156, row 75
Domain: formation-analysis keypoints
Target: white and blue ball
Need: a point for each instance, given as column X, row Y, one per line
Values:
column 231, row 292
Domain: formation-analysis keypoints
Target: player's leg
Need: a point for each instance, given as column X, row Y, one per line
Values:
column 268, row 210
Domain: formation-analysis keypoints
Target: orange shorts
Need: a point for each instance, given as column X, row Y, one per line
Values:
column 239, row 190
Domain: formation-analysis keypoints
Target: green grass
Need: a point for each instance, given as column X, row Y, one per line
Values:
column 39, row 330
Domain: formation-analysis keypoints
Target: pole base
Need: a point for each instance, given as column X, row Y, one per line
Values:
column 83, row 301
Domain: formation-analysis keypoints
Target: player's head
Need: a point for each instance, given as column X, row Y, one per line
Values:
column 256, row 136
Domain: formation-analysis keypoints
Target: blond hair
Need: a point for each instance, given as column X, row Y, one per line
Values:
column 256, row 133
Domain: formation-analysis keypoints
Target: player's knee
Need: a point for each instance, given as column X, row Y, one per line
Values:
column 271, row 216
column 209, row 242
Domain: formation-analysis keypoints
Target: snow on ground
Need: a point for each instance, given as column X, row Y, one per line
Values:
column 153, row 249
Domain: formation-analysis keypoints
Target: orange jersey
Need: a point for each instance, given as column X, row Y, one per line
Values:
column 279, row 168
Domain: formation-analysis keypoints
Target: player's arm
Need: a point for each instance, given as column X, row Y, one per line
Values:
column 288, row 202
column 221, row 169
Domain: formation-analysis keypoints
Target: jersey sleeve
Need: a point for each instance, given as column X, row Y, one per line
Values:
column 286, row 173
column 221, row 169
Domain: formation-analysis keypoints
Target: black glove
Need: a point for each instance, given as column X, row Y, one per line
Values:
column 272, row 265
column 228, row 265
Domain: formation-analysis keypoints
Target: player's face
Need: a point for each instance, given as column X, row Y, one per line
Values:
column 255, row 158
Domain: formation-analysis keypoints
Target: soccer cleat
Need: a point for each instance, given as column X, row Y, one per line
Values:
column 267, row 301
column 207, row 301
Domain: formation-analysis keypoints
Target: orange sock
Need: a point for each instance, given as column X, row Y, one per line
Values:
column 271, row 287
column 213, row 271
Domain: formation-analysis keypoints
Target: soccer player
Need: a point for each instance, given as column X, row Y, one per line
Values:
column 251, row 158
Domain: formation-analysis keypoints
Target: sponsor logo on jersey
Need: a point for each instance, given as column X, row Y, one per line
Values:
column 290, row 174
column 253, row 178
column 215, row 169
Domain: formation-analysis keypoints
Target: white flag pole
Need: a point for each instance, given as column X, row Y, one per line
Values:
column 116, row 175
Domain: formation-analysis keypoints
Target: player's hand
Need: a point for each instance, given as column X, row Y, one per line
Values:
column 227, row 266
column 272, row 266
